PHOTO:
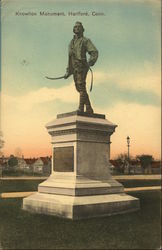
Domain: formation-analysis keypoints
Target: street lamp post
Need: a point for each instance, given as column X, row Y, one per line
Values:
column 128, row 144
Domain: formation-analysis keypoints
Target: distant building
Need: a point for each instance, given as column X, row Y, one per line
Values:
column 42, row 165
column 22, row 164
column 4, row 161
column 156, row 167
column 29, row 163
column 38, row 166
column 135, row 167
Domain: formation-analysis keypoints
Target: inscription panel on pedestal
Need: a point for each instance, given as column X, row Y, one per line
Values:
column 63, row 159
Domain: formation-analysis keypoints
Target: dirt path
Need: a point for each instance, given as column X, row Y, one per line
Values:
column 137, row 177
column 25, row 194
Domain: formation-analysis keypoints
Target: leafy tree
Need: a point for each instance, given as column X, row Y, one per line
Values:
column 123, row 161
column 12, row 161
column 1, row 143
column 145, row 160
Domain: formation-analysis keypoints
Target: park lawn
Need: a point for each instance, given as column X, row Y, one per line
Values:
column 139, row 230
column 19, row 185
column 140, row 183
column 32, row 185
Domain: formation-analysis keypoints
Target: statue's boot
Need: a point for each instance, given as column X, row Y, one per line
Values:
column 89, row 109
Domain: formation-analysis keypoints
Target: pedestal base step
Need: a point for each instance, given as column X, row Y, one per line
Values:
column 73, row 207
column 79, row 186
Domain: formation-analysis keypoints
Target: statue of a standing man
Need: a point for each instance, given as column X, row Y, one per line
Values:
column 78, row 65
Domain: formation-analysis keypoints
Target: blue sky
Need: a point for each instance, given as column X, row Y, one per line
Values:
column 127, row 71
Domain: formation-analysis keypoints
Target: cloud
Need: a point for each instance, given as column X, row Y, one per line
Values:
column 146, row 79
column 26, row 102
column 110, row 88
column 110, row 94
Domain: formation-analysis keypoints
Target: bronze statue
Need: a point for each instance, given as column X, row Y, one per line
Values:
column 78, row 65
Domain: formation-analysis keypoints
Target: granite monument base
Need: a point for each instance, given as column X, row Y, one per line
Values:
column 80, row 185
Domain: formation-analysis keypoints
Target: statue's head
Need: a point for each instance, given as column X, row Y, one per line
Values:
column 78, row 28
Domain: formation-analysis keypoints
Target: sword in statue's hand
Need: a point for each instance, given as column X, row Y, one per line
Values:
column 55, row 78
column 67, row 75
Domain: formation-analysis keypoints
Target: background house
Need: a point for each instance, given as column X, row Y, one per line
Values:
column 156, row 167
column 22, row 164
column 42, row 165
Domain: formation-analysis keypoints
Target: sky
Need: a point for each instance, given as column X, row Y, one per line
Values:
column 126, row 75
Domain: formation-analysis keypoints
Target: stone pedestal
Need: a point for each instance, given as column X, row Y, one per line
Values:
column 80, row 184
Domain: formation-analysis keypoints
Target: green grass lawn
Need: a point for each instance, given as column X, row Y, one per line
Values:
column 140, row 183
column 139, row 230
column 19, row 185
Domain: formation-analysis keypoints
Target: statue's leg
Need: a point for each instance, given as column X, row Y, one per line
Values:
column 88, row 104
column 80, row 84
column 77, row 81
column 86, row 97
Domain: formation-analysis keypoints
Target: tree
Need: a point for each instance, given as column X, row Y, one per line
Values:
column 1, row 143
column 124, row 162
column 12, row 162
column 145, row 161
